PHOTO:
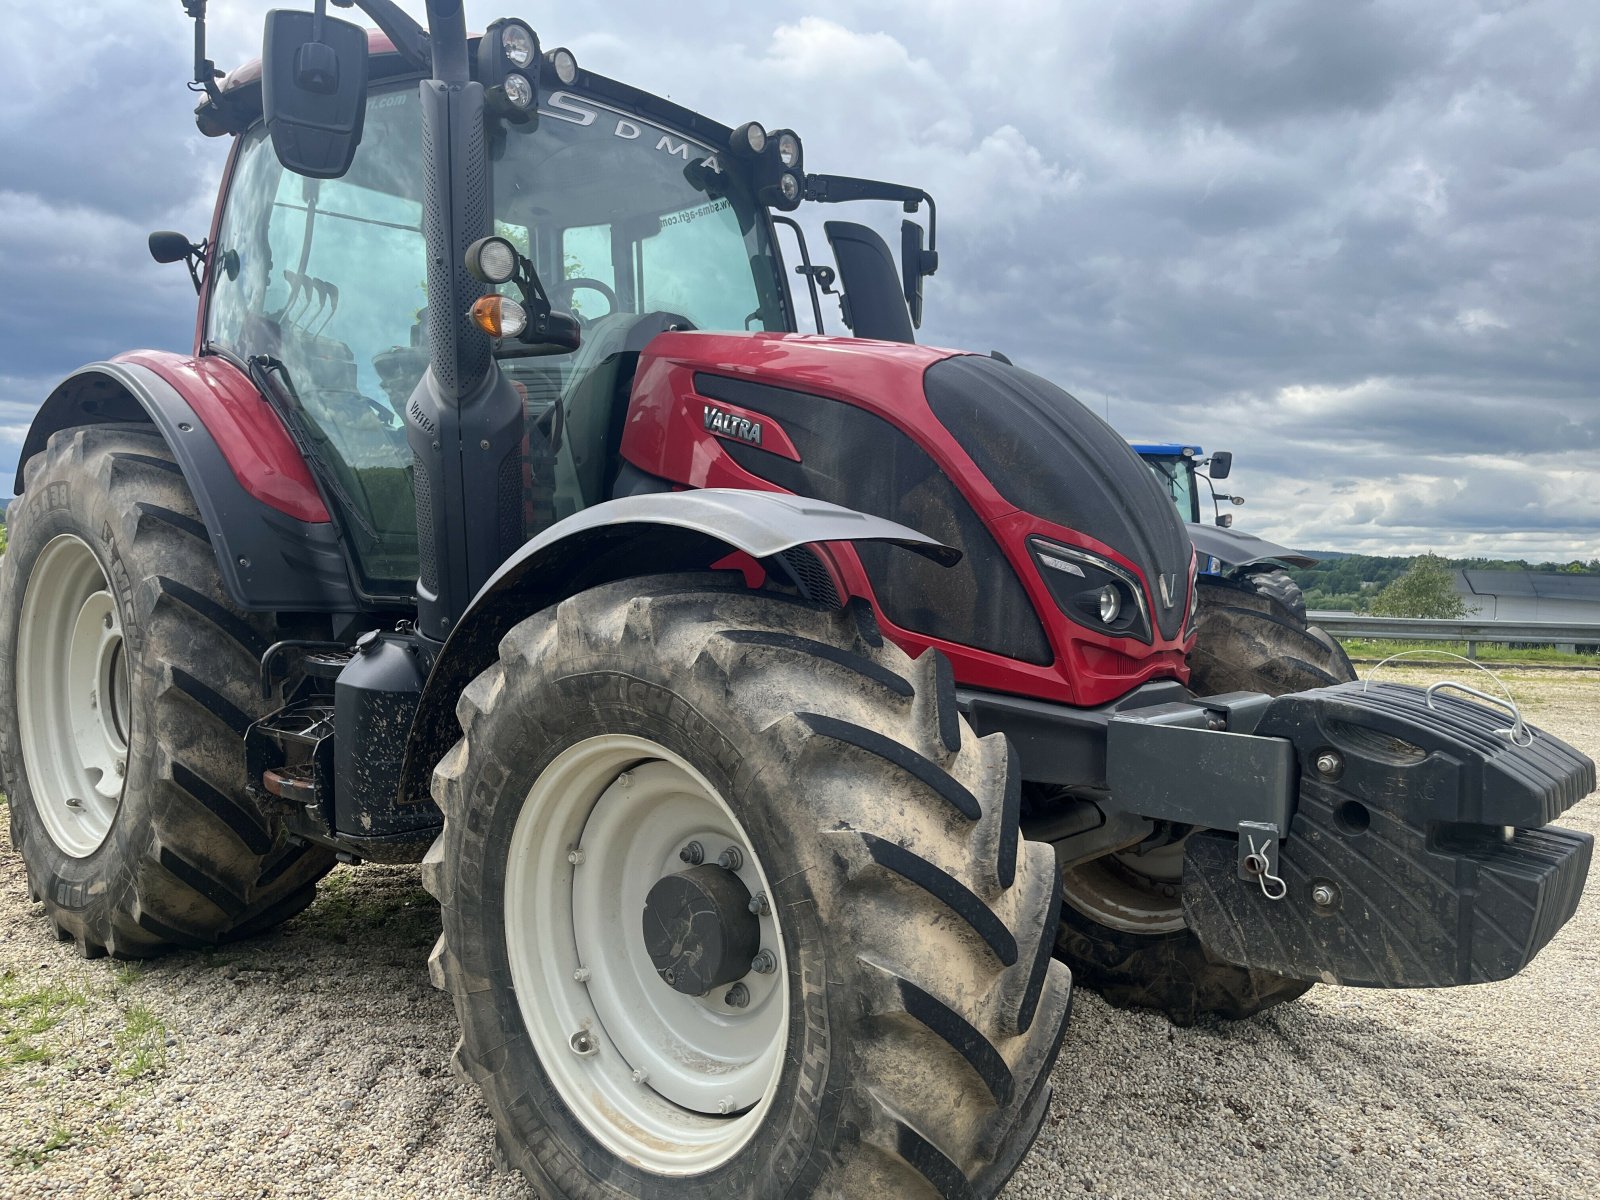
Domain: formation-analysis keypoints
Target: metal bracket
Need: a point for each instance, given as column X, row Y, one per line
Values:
column 1168, row 763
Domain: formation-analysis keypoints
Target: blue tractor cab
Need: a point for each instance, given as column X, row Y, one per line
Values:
column 1181, row 467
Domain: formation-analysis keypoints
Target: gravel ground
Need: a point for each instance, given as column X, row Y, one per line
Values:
column 312, row 1063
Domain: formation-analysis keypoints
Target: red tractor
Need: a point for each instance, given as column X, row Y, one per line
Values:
column 770, row 713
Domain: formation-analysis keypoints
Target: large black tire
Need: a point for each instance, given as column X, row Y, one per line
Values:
column 917, row 925
column 1249, row 640
column 188, row 859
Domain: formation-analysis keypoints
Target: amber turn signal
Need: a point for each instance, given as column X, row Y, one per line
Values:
column 499, row 316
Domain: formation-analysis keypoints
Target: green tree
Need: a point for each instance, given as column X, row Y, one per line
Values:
column 1427, row 589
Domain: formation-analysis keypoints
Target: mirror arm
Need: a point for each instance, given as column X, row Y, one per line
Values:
column 198, row 256
column 205, row 71
column 410, row 39
column 840, row 189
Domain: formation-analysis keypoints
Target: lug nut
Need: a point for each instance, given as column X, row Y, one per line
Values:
column 738, row 996
column 764, row 963
column 730, row 859
column 725, row 1105
column 581, row 975
column 669, row 976
column 641, row 1076
column 576, row 858
column 1324, row 895
column 583, row 1043
column 694, row 854
column 1329, row 764
column 760, row 905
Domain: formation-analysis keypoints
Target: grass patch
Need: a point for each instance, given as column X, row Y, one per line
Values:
column 59, row 1138
column 1487, row 652
column 141, row 1043
column 29, row 1013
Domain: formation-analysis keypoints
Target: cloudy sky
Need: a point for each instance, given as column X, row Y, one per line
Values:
column 1355, row 243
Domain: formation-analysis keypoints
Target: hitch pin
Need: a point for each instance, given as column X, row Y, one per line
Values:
column 1259, row 865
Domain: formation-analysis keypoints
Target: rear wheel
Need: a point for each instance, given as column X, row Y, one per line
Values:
column 735, row 905
column 127, row 680
column 1122, row 926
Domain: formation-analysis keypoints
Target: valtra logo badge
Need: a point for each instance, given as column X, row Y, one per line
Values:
column 726, row 424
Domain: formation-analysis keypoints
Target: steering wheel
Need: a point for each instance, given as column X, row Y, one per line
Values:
column 561, row 295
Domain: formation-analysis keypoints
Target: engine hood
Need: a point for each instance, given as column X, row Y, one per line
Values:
column 1053, row 458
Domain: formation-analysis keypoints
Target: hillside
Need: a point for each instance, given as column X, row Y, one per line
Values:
column 1347, row 582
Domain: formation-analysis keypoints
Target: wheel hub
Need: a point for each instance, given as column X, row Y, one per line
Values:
column 699, row 929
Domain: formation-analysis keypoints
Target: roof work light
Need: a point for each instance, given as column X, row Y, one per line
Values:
column 508, row 68
column 776, row 163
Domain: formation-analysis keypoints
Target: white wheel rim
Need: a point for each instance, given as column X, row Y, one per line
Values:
column 1131, row 892
column 74, row 695
column 673, row 1083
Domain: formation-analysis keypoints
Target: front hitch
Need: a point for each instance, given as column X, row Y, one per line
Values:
column 1419, row 852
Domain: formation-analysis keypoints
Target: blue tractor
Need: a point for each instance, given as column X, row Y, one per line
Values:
column 1239, row 572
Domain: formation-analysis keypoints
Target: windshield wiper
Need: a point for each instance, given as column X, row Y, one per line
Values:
column 272, row 380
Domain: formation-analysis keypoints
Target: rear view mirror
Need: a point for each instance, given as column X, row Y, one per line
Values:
column 915, row 264
column 873, row 304
column 314, row 90
column 1221, row 464
column 169, row 247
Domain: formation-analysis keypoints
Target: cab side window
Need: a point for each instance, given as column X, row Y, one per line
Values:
column 329, row 278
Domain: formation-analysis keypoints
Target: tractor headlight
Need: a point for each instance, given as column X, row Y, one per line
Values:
column 788, row 149
column 565, row 64
column 519, row 91
column 789, row 185
column 508, row 62
column 749, row 139
column 1092, row 590
column 492, row 260
column 518, row 45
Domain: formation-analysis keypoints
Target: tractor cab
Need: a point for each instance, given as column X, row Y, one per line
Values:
column 1182, row 470
column 631, row 215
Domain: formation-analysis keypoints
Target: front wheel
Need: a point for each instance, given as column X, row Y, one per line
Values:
column 735, row 905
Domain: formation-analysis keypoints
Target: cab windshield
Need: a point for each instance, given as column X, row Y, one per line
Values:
column 1177, row 476
column 614, row 212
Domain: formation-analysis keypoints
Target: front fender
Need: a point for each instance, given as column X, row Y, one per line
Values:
column 634, row 536
column 276, row 547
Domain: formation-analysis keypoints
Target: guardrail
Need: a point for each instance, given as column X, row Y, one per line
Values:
column 1565, row 635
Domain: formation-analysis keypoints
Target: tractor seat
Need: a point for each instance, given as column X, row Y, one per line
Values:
column 594, row 403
